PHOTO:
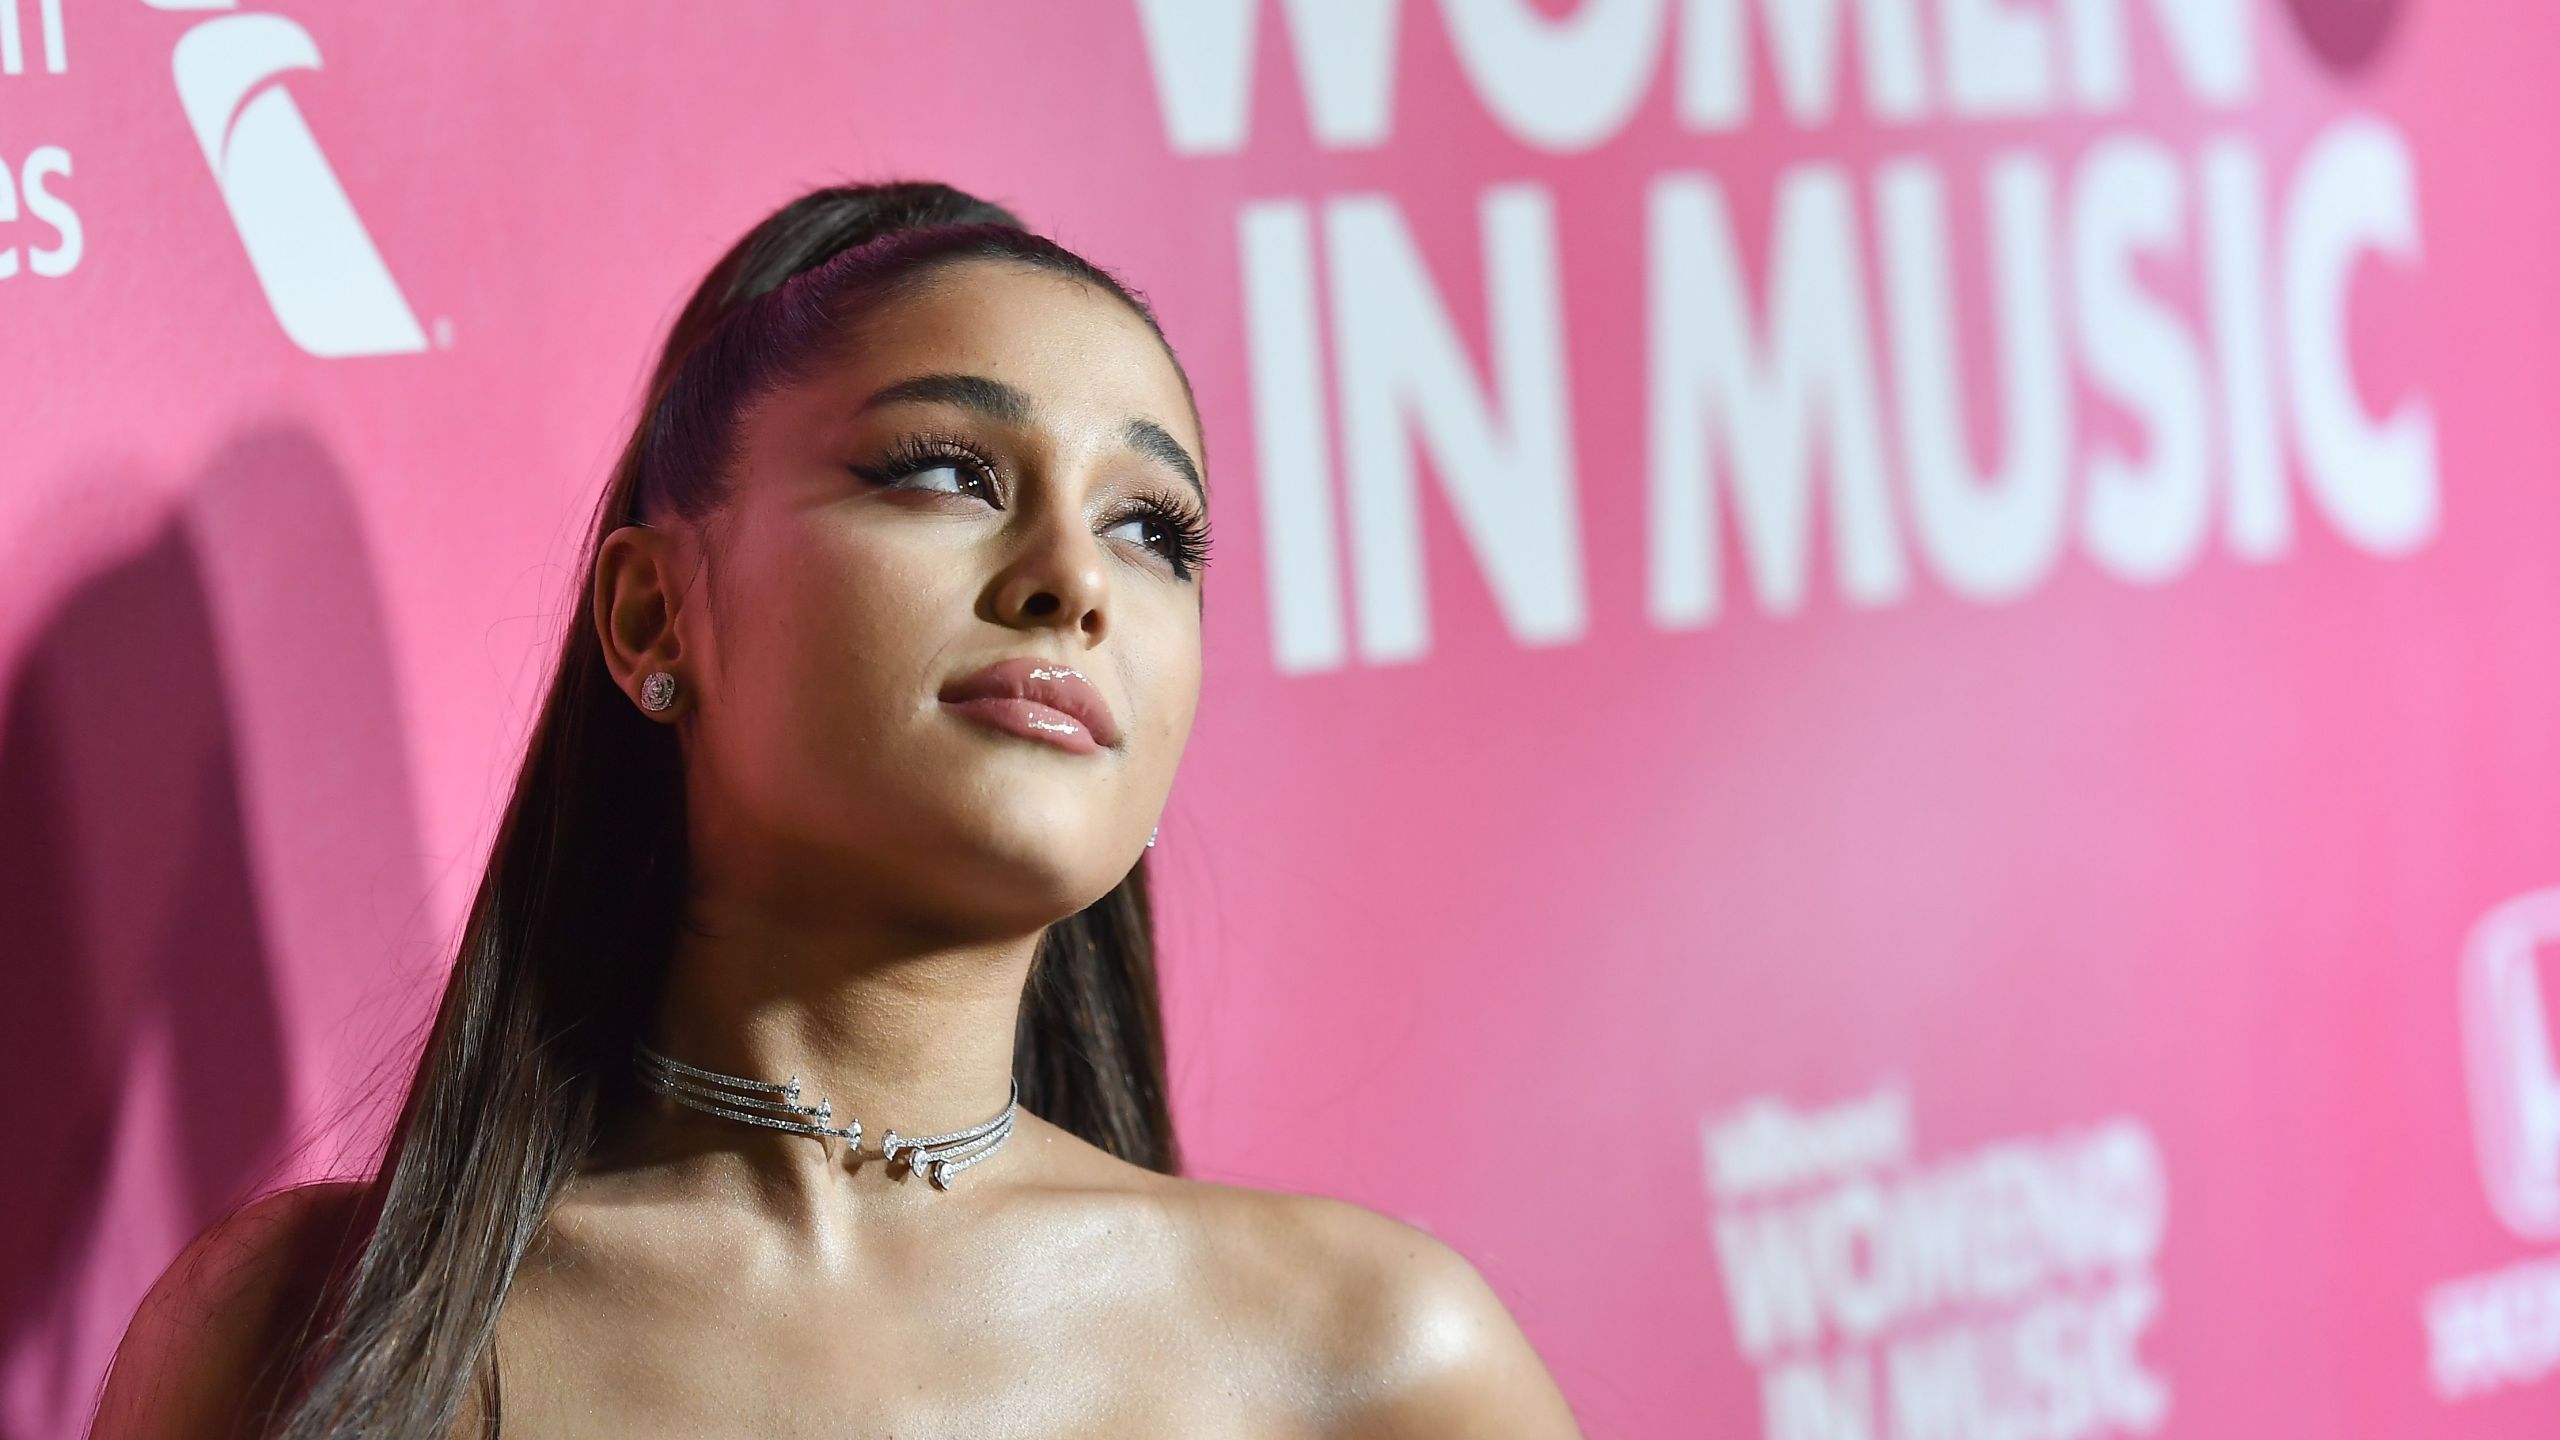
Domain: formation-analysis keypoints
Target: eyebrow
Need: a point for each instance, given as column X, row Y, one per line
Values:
column 1153, row 441
column 992, row 398
column 1006, row 405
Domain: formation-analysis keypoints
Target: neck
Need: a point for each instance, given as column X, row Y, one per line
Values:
column 896, row 1032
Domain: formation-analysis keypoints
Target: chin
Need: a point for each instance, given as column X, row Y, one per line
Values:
column 1042, row 873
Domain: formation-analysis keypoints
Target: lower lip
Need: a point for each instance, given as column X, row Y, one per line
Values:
column 1031, row 720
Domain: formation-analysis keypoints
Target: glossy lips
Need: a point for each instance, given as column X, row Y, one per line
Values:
column 1037, row 700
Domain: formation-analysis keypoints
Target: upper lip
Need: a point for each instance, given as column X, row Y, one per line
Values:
column 1053, row 683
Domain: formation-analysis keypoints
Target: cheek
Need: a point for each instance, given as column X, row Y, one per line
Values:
column 838, row 632
column 1170, row 681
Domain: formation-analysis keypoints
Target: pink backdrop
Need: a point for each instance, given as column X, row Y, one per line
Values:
column 1881, row 677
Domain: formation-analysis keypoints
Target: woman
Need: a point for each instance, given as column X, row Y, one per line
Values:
column 829, row 838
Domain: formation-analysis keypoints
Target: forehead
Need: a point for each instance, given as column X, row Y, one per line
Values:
column 1081, row 354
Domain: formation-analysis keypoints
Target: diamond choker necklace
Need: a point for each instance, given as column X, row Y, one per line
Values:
column 777, row 1107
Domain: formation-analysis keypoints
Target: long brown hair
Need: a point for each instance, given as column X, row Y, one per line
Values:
column 564, row 953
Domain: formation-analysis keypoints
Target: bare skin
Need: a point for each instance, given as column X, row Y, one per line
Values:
column 872, row 874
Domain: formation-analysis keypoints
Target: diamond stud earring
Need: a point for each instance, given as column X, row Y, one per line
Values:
column 658, row 691
column 1151, row 835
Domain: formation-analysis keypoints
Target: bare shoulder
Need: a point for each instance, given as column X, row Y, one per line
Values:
column 1398, row 1332
column 206, row 1346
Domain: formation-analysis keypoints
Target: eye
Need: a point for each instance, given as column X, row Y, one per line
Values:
column 1178, row 536
column 924, row 463
column 957, row 477
column 1148, row 530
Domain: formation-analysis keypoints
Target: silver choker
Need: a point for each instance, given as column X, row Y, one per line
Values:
column 777, row 1107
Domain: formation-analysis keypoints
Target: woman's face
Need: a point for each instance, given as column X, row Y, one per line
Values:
column 1002, row 471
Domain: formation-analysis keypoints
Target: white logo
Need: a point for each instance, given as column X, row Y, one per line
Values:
column 2500, row 1329
column 2003, row 1290
column 2515, row 1086
column 322, row 276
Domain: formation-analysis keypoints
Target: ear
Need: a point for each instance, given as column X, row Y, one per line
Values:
column 637, row 596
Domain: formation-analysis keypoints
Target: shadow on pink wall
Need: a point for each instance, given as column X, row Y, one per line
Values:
column 206, row 836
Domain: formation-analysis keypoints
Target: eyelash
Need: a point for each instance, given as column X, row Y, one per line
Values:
column 1185, row 527
column 1187, row 530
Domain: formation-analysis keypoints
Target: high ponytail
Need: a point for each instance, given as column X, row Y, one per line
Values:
column 564, row 953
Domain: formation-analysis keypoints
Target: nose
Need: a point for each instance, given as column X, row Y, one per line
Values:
column 1056, row 578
